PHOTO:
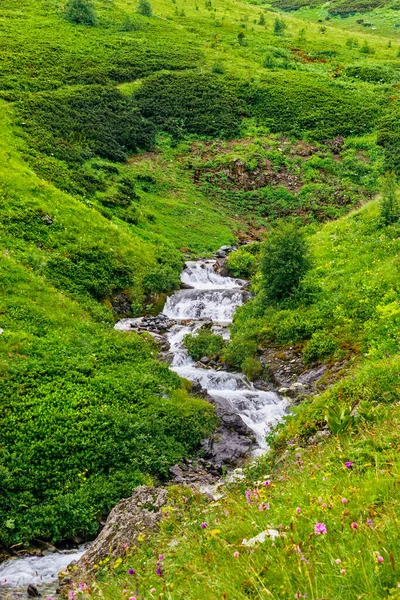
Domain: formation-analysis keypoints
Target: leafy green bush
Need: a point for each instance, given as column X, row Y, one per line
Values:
column 81, row 12
column 251, row 368
column 321, row 345
column 73, row 126
column 144, row 8
column 345, row 8
column 179, row 103
column 373, row 73
column 284, row 262
column 238, row 351
column 242, row 263
column 389, row 205
column 389, row 137
column 204, row 343
column 166, row 274
column 295, row 102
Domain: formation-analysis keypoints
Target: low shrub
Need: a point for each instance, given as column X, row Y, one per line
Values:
column 242, row 263
column 285, row 260
column 207, row 104
column 81, row 12
column 251, row 368
column 204, row 343
column 321, row 346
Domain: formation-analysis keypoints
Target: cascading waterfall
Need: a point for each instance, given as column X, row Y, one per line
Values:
column 211, row 297
column 216, row 298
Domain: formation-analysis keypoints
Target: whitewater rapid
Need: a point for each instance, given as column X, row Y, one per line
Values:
column 215, row 298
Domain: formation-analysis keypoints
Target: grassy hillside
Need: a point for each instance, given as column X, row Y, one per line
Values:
column 129, row 142
column 332, row 497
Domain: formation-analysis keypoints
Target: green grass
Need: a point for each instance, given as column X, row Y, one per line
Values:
column 105, row 130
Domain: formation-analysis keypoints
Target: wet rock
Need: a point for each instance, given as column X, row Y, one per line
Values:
column 121, row 305
column 129, row 518
column 186, row 286
column 227, row 447
column 205, row 360
column 220, row 267
column 224, row 251
column 32, row 591
column 47, row 219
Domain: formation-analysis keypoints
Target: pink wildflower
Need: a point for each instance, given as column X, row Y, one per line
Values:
column 354, row 525
column 379, row 559
column 343, row 571
column 236, row 554
column 320, row 528
column 344, row 501
column 338, row 561
column 370, row 523
column 298, row 510
column 264, row 506
column 204, row 525
column 153, row 591
column 267, row 483
column 348, row 464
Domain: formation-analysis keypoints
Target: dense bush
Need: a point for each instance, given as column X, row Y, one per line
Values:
column 284, row 262
column 204, row 343
column 80, row 12
column 76, row 125
column 243, row 263
column 144, row 8
column 299, row 102
column 373, row 73
column 181, row 103
column 87, row 414
column 321, row 346
column 389, row 137
column 344, row 8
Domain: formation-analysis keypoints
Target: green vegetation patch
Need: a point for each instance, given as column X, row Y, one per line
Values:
column 87, row 414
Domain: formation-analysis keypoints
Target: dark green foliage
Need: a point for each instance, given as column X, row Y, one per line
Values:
column 80, row 12
column 373, row 73
column 367, row 49
column 73, row 126
column 251, row 368
column 166, row 275
column 204, row 343
column 345, row 8
column 241, row 38
column 321, row 346
column 389, row 137
column 285, row 260
column 91, row 271
column 144, row 8
column 389, row 206
column 243, row 263
column 192, row 103
column 279, row 26
column 87, row 414
column 299, row 102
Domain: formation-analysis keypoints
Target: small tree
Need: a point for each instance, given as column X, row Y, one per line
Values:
column 279, row 26
column 389, row 208
column 261, row 20
column 144, row 8
column 284, row 262
column 81, row 12
column 241, row 38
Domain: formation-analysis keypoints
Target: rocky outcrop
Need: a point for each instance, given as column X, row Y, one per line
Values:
column 132, row 516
